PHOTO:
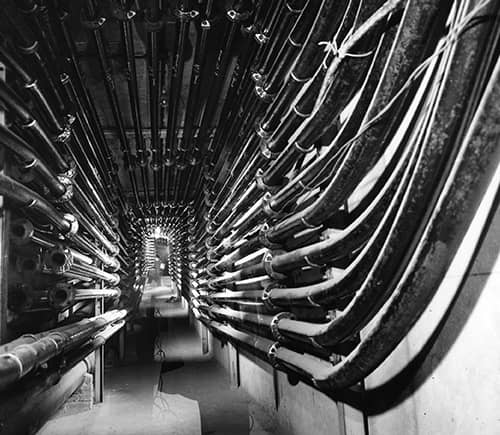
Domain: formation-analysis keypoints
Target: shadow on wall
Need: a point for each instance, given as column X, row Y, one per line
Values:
column 421, row 367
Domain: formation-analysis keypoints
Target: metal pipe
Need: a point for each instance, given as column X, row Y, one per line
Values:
column 32, row 202
column 23, row 358
column 128, row 39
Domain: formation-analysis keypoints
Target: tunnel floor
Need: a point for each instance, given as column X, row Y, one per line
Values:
column 165, row 386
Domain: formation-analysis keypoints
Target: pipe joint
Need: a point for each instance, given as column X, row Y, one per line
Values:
column 266, row 297
column 264, row 239
column 261, row 38
column 235, row 16
column 267, row 262
column 275, row 324
column 272, row 354
column 122, row 14
column 262, row 132
column 265, row 150
column 302, row 149
column 58, row 260
column 92, row 24
column 261, row 93
column 185, row 16
column 72, row 223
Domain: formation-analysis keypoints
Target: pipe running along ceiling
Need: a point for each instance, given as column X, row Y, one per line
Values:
column 311, row 166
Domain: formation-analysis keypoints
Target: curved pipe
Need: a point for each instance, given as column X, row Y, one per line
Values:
column 32, row 202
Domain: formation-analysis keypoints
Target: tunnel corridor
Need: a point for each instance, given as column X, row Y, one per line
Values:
column 249, row 217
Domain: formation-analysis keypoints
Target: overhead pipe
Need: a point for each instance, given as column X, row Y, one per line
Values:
column 153, row 26
column 94, row 25
column 87, row 134
column 280, row 27
column 191, row 114
column 238, row 13
column 87, row 104
column 125, row 16
column 173, row 163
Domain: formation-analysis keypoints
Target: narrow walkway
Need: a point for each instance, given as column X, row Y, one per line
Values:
column 180, row 392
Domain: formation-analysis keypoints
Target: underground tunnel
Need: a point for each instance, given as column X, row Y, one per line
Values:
column 249, row 217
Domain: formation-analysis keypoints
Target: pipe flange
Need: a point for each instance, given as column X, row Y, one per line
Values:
column 264, row 240
column 271, row 354
column 61, row 296
column 58, row 259
column 275, row 324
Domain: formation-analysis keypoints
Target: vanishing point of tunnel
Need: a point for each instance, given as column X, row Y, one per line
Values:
column 249, row 217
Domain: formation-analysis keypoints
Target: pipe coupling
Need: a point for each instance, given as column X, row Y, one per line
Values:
column 235, row 16
column 264, row 239
column 267, row 261
column 58, row 260
column 275, row 324
column 61, row 296
column 73, row 224
column 186, row 15
column 265, row 150
column 272, row 354
column 266, row 297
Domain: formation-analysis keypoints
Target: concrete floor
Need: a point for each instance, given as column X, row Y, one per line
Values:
column 165, row 386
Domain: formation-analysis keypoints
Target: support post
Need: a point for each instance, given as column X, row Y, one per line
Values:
column 99, row 359
column 4, row 241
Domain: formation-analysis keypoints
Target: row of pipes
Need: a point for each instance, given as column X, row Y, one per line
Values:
column 356, row 143
column 69, row 219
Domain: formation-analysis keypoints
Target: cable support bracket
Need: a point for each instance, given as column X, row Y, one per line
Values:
column 275, row 324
